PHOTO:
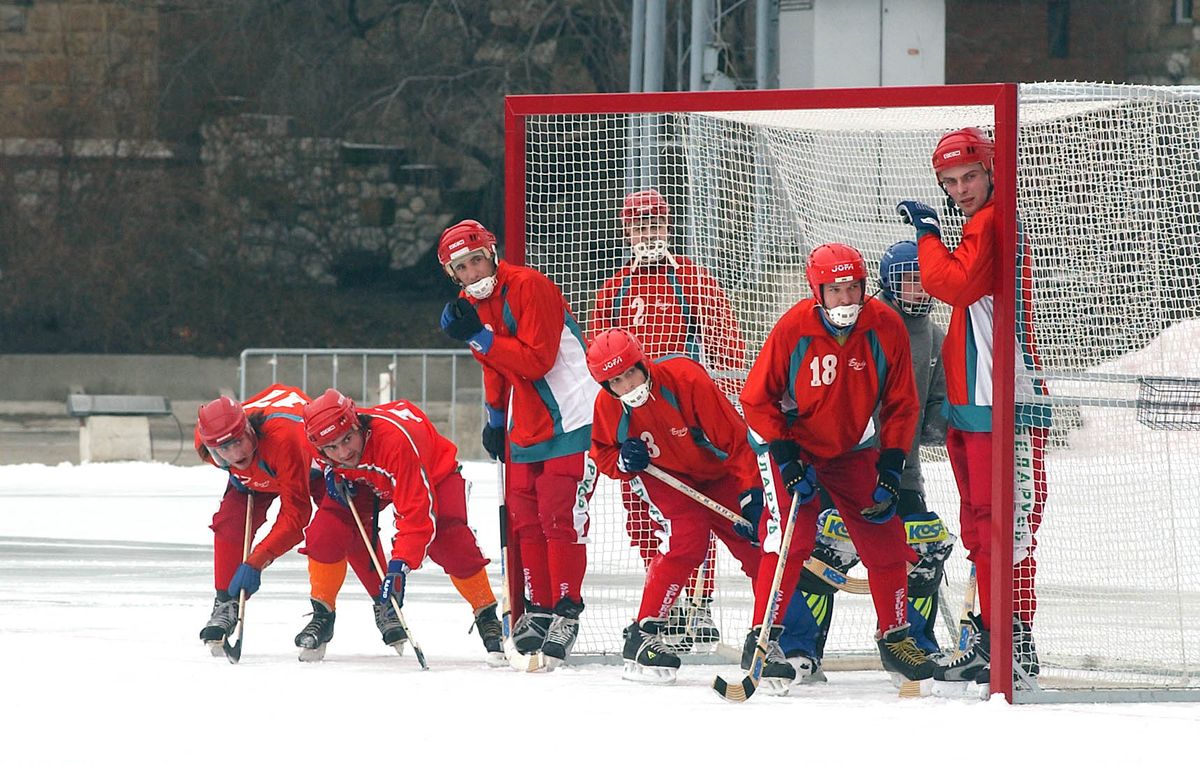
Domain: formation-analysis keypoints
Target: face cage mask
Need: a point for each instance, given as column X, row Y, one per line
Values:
column 843, row 316
column 636, row 397
column 652, row 252
column 481, row 289
column 915, row 308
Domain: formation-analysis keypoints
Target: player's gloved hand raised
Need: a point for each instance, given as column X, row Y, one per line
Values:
column 246, row 578
column 920, row 216
column 887, row 490
column 493, row 433
column 461, row 321
column 750, row 502
column 635, row 456
column 338, row 488
column 393, row 583
column 798, row 478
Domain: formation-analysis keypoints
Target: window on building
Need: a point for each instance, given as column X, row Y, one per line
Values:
column 1183, row 11
column 1058, row 22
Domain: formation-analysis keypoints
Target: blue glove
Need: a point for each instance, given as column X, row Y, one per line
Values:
column 460, row 321
column 887, row 490
column 751, row 503
column 798, row 478
column 493, row 433
column 635, row 456
column 921, row 217
column 338, row 488
column 246, row 578
column 393, row 583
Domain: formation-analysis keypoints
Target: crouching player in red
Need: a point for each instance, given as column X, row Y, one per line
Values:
column 261, row 444
column 393, row 451
column 825, row 368
column 671, row 414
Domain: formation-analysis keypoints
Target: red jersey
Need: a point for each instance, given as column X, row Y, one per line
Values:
column 282, row 465
column 809, row 387
column 673, row 310
column 403, row 460
column 689, row 426
column 536, row 369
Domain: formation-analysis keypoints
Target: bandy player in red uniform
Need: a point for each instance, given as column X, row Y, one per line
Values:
column 261, row 444
column 963, row 162
column 391, row 454
column 671, row 414
column 828, row 364
column 539, row 398
column 673, row 305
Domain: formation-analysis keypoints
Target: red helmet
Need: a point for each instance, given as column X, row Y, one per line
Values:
column 220, row 421
column 461, row 238
column 328, row 417
column 833, row 264
column 964, row 147
column 647, row 203
column 612, row 353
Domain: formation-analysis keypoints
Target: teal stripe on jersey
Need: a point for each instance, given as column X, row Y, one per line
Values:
column 575, row 442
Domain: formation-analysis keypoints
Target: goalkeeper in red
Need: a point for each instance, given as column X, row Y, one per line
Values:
column 963, row 162
column 828, row 364
column 260, row 443
column 669, row 413
column 539, row 399
column 673, row 305
column 389, row 454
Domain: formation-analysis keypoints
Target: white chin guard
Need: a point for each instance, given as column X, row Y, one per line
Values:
column 652, row 252
column 637, row 396
column 843, row 316
column 483, row 288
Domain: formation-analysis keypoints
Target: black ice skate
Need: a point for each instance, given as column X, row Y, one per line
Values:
column 562, row 633
column 965, row 666
column 317, row 633
column 220, row 623
column 529, row 632
column 690, row 626
column 901, row 654
column 647, row 658
column 777, row 674
column 389, row 627
column 492, row 635
column 808, row 669
column 1025, row 655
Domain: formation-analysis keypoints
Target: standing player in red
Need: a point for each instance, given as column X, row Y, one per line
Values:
column 673, row 305
column 828, row 364
column 394, row 452
column 261, row 444
column 963, row 162
column 539, row 399
column 671, row 414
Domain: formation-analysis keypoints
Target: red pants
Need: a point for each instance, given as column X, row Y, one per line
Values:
column 685, row 528
column 548, row 509
column 229, row 531
column 850, row 480
column 644, row 533
column 971, row 459
column 333, row 536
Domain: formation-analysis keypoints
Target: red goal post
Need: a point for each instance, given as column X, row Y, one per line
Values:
column 755, row 180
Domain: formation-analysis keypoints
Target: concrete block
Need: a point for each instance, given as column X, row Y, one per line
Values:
column 112, row 439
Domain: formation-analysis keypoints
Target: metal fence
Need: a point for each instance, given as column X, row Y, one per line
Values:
column 446, row 384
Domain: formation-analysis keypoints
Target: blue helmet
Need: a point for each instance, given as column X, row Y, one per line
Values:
column 899, row 259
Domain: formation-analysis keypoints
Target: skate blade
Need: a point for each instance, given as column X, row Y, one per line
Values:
column 915, row 689
column 552, row 662
column 527, row 662
column 216, row 647
column 637, row 673
column 313, row 654
column 775, row 686
column 497, row 659
column 398, row 646
column 955, row 689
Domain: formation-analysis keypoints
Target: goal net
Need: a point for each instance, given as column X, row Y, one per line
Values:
column 1108, row 201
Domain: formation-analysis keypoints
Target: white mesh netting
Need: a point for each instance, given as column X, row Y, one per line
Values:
column 1109, row 202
